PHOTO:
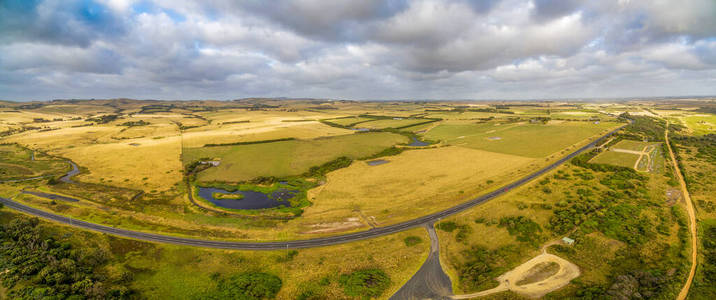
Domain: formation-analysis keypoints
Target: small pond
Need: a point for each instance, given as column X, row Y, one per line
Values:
column 251, row 199
column 418, row 143
column 377, row 162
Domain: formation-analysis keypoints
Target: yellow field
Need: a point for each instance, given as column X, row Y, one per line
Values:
column 245, row 132
column 412, row 184
column 232, row 126
column 142, row 157
column 151, row 165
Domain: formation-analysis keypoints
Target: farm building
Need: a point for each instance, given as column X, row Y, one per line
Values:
column 568, row 240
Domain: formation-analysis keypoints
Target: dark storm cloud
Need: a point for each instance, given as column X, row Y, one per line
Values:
column 550, row 9
column 356, row 49
column 329, row 20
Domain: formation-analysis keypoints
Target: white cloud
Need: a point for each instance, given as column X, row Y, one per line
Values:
column 359, row 49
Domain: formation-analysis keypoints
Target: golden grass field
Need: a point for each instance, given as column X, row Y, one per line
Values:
column 412, row 184
column 231, row 126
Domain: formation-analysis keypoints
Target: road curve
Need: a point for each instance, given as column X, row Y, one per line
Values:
column 295, row 244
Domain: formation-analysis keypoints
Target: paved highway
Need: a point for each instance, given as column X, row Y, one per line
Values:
column 316, row 242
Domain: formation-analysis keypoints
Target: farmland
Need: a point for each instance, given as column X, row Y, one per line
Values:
column 457, row 173
column 142, row 164
column 701, row 123
column 286, row 158
column 529, row 140
column 641, row 156
column 622, row 159
column 141, row 151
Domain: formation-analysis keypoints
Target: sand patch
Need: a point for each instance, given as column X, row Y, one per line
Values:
column 350, row 223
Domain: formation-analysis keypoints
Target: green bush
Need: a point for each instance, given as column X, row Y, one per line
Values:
column 524, row 228
column 322, row 170
column 287, row 257
column 412, row 241
column 247, row 286
column 366, row 283
column 448, row 226
column 463, row 233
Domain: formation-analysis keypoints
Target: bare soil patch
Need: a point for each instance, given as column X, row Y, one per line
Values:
column 350, row 223
column 539, row 272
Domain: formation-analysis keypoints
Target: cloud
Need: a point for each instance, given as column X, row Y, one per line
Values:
column 187, row 49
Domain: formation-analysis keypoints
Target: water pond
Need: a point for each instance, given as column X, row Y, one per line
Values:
column 418, row 143
column 377, row 162
column 251, row 199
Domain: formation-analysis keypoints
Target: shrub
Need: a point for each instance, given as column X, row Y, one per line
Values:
column 412, row 241
column 448, row 226
column 463, row 233
column 524, row 228
column 322, row 170
column 247, row 286
column 287, row 257
column 365, row 283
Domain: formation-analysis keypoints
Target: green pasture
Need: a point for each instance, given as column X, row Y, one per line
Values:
column 286, row 158
column 616, row 159
column 524, row 139
column 631, row 145
column 701, row 124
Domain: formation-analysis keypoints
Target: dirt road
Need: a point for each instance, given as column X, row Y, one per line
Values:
column 692, row 218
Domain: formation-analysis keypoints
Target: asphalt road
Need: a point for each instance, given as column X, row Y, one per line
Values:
column 430, row 282
column 295, row 244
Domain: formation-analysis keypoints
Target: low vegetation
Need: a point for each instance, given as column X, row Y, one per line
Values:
column 366, row 284
column 17, row 163
column 256, row 285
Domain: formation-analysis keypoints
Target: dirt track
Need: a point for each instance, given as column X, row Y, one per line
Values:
column 692, row 218
column 567, row 271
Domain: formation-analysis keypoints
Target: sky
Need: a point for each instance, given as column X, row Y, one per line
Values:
column 347, row 49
